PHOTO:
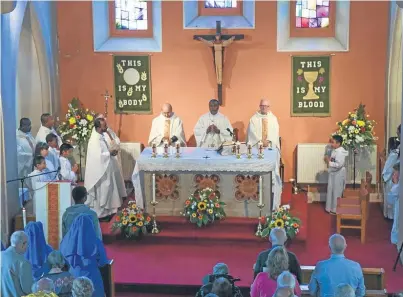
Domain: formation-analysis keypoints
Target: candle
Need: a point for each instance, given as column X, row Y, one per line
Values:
column 153, row 187
column 24, row 216
column 260, row 190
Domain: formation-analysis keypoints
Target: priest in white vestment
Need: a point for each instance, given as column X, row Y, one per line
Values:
column 213, row 128
column 263, row 126
column 103, row 178
column 46, row 128
column 166, row 127
column 25, row 148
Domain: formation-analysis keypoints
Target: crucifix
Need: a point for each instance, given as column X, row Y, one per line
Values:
column 218, row 43
column 106, row 97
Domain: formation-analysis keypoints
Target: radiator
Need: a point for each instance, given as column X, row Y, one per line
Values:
column 311, row 169
column 129, row 152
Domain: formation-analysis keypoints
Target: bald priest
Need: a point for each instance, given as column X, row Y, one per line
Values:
column 167, row 127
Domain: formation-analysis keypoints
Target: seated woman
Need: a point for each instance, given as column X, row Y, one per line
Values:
column 265, row 283
column 38, row 250
column 84, row 252
column 63, row 280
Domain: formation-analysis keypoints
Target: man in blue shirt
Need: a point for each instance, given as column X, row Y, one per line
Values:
column 337, row 270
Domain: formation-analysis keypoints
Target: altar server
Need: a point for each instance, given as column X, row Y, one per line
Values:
column 387, row 173
column 42, row 149
column 337, row 173
column 47, row 122
column 38, row 250
column 103, row 178
column 166, row 127
column 393, row 198
column 25, row 147
column 54, row 153
column 84, row 252
column 16, row 271
column 67, row 171
column 263, row 126
column 38, row 175
column 213, row 128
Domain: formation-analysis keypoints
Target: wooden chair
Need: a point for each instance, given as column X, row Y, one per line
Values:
column 351, row 197
column 355, row 214
column 108, row 279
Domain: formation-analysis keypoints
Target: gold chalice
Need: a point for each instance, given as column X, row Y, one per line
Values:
column 310, row 77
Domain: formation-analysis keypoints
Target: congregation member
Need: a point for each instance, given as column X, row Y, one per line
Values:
column 38, row 250
column 218, row 269
column 278, row 237
column 336, row 270
column 44, row 285
column 213, row 128
column 103, row 177
column 284, row 292
column 84, row 252
column 67, row 172
column 79, row 194
column 47, row 123
column 222, row 288
column 337, row 173
column 25, row 147
column 393, row 199
column 344, row 290
column 387, row 172
column 42, row 149
column 63, row 280
column 265, row 283
column 263, row 126
column 54, row 153
column 16, row 271
column 167, row 127
column 286, row 280
column 82, row 287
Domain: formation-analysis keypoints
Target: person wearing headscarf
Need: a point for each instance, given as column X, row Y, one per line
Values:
column 38, row 250
column 84, row 252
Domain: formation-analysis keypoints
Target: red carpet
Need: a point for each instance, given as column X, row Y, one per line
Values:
column 182, row 254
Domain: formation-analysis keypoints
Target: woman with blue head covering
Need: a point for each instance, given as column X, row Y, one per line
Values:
column 84, row 252
column 38, row 250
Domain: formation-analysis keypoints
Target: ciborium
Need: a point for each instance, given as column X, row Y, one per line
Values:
column 310, row 77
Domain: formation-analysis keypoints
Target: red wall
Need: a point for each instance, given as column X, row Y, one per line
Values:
column 183, row 73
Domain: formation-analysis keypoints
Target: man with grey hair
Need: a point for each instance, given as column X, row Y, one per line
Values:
column 284, row 292
column 82, row 287
column 336, row 270
column 286, row 280
column 344, row 290
column 278, row 237
column 45, row 285
column 16, row 271
column 218, row 269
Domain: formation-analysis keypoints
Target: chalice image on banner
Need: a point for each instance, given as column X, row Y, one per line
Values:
column 310, row 77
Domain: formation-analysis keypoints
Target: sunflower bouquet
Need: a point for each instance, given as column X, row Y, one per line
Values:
column 131, row 221
column 204, row 207
column 281, row 218
column 78, row 125
column 357, row 130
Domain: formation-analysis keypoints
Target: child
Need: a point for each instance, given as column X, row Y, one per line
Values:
column 337, row 173
column 393, row 198
column 51, row 140
column 66, row 171
column 42, row 149
column 40, row 167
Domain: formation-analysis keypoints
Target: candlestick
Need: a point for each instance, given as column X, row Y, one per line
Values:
column 178, row 149
column 249, row 146
column 238, row 147
column 155, row 229
column 154, row 153
column 166, row 148
column 259, row 225
column 24, row 216
column 153, row 185
column 260, row 150
column 260, row 190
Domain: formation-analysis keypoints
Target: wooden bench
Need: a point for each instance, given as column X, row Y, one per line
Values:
column 374, row 278
column 368, row 293
column 108, row 279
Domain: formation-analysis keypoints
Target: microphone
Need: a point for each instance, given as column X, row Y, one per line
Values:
column 174, row 139
column 230, row 132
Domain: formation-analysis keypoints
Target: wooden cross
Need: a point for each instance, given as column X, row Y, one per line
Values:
column 218, row 42
column 106, row 97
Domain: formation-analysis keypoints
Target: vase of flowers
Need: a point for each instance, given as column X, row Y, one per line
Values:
column 132, row 221
column 204, row 207
column 281, row 218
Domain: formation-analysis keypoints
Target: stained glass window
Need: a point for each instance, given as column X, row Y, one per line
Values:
column 220, row 4
column 131, row 15
column 312, row 14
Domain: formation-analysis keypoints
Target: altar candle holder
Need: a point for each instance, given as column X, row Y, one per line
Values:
column 238, row 148
column 249, row 150
column 260, row 226
column 233, row 148
column 154, row 152
column 166, row 149
column 178, row 150
column 260, row 150
column 154, row 203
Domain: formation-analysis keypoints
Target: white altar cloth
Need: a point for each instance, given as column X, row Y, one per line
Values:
column 198, row 160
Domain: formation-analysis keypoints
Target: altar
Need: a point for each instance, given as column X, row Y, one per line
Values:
column 198, row 168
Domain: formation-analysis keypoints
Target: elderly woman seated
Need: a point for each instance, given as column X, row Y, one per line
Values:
column 63, row 280
column 82, row 287
column 38, row 250
column 265, row 283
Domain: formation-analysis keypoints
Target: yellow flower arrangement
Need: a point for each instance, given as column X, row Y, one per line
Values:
column 281, row 218
column 72, row 121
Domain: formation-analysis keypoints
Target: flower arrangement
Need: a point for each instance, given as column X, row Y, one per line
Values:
column 204, row 207
column 357, row 130
column 78, row 125
column 281, row 218
column 131, row 221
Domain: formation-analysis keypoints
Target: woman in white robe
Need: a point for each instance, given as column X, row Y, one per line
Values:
column 387, row 173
